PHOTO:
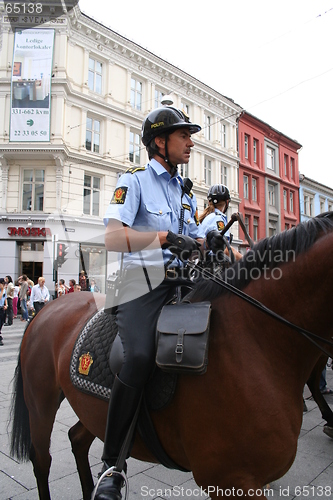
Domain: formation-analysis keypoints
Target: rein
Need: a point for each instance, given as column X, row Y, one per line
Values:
column 312, row 337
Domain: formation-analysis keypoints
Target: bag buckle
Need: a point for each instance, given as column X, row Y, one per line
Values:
column 171, row 273
column 179, row 349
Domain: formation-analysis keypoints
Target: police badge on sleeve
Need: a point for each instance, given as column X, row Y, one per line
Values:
column 119, row 195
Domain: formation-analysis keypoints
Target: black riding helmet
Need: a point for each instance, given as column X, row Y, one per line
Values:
column 218, row 193
column 165, row 120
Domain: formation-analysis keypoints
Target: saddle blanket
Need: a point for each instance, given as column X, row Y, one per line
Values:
column 90, row 371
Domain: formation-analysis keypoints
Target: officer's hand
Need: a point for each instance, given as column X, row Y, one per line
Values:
column 215, row 241
column 181, row 245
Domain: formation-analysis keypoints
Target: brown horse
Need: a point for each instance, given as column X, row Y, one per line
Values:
column 237, row 425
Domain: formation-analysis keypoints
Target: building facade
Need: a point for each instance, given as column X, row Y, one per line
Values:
column 315, row 198
column 268, row 178
column 88, row 95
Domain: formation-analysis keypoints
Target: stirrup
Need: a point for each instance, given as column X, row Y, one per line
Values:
column 105, row 473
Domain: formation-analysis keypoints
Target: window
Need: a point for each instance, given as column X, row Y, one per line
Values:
column 255, row 150
column 292, row 173
column 158, row 97
column 254, row 189
column 223, row 135
column 208, row 172
column 246, row 146
column 271, row 195
column 224, row 174
column 91, row 195
column 291, row 202
column 308, row 205
column 185, row 107
column 330, row 206
column 136, row 94
column 183, row 169
column 270, row 157
column 285, row 199
column 134, row 148
column 246, row 187
column 33, row 190
column 272, row 227
column 93, row 134
column 207, row 124
column 322, row 206
column 95, row 76
column 285, row 164
column 255, row 228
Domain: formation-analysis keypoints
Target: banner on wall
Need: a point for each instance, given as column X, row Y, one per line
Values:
column 30, row 112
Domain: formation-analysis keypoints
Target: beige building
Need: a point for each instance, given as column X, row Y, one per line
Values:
column 70, row 125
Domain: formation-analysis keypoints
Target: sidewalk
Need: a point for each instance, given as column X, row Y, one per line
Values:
column 310, row 474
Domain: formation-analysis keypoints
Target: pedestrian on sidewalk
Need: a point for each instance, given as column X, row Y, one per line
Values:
column 23, row 280
column 15, row 298
column 39, row 295
column 10, row 295
column 3, row 305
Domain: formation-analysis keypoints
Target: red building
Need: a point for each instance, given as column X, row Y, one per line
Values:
column 268, row 178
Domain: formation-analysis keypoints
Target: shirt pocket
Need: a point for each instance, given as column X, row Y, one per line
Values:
column 159, row 218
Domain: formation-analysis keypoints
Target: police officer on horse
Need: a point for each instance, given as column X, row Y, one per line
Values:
column 152, row 221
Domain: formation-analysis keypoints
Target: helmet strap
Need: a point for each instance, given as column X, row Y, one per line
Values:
column 173, row 168
column 226, row 206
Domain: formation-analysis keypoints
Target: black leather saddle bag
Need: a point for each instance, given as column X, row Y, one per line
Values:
column 182, row 337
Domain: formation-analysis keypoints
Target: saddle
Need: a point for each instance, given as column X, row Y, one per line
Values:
column 90, row 372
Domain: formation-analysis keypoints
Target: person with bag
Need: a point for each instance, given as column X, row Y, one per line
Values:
column 148, row 208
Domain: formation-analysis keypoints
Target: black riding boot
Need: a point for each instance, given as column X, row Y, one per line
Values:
column 122, row 407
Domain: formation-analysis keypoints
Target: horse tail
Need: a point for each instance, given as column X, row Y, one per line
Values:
column 20, row 443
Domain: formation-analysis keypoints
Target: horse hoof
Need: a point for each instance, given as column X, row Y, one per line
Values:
column 328, row 431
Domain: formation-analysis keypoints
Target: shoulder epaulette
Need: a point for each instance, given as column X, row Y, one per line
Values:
column 190, row 194
column 133, row 170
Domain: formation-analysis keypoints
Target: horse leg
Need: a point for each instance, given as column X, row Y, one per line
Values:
column 81, row 440
column 40, row 457
column 41, row 416
column 313, row 384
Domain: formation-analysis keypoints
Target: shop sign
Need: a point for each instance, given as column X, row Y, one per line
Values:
column 29, row 231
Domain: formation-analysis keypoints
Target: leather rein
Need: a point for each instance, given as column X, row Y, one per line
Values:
column 312, row 337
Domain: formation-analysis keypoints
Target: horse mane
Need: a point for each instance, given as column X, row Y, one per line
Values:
column 267, row 254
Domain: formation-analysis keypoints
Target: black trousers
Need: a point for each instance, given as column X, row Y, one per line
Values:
column 136, row 320
column 38, row 306
column 9, row 311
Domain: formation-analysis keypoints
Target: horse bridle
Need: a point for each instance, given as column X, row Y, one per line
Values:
column 312, row 337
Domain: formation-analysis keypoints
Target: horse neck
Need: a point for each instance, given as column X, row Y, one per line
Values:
column 301, row 294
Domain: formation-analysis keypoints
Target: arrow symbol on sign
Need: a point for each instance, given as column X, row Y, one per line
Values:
column 30, row 123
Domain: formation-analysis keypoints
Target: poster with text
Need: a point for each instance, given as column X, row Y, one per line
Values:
column 31, row 85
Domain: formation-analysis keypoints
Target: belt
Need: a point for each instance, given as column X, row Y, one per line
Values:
column 170, row 273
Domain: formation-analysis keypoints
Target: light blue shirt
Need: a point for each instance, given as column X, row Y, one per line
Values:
column 39, row 294
column 3, row 298
column 215, row 221
column 149, row 199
